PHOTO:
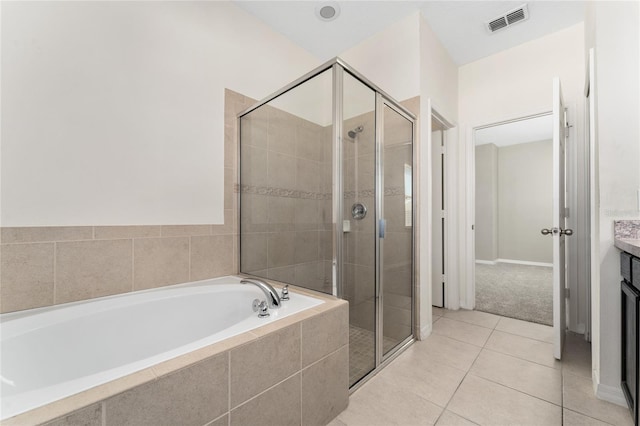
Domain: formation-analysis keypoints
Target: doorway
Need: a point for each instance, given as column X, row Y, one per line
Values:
column 514, row 201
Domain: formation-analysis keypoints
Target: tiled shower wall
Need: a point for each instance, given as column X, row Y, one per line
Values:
column 286, row 198
column 43, row 266
column 360, row 242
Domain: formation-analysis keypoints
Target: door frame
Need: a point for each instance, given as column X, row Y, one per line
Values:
column 452, row 244
column 471, row 267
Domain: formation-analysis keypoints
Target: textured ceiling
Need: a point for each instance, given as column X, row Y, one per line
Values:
column 458, row 24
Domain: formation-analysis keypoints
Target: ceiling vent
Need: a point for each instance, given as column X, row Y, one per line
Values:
column 507, row 19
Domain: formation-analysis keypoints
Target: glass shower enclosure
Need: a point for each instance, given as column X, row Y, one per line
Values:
column 327, row 203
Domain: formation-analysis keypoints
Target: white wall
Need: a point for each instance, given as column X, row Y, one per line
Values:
column 516, row 83
column 612, row 28
column 113, row 111
column 486, row 166
column 525, row 180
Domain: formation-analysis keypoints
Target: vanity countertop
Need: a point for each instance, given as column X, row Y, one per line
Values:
column 627, row 236
column 631, row 246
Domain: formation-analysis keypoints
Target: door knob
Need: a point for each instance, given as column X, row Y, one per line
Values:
column 567, row 232
column 545, row 231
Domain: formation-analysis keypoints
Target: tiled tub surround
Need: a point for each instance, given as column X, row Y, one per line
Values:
column 290, row 372
column 627, row 236
column 44, row 266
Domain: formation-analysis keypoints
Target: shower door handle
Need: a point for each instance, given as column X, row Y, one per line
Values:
column 382, row 224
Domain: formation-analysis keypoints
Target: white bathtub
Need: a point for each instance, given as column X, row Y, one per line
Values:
column 50, row 353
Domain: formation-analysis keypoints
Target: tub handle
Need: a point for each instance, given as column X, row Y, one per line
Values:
column 285, row 293
column 261, row 307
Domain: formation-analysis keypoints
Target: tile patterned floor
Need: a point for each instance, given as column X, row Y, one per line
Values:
column 482, row 369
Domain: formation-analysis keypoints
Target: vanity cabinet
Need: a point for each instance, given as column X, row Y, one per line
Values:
column 630, row 286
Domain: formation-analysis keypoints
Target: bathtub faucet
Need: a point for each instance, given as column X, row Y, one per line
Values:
column 272, row 295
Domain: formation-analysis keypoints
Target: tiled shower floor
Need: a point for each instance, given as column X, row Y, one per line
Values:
column 362, row 352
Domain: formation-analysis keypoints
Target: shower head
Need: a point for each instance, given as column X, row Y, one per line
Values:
column 353, row 133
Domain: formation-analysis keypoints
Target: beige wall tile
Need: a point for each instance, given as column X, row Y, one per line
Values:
column 254, row 252
column 46, row 233
column 229, row 188
column 254, row 165
column 211, row 256
column 194, row 395
column 324, row 334
column 185, row 230
column 306, row 246
column 279, row 405
column 119, row 232
column 261, row 364
column 280, row 213
column 281, row 171
column 254, row 213
column 160, row 261
column 89, row 269
column 26, row 276
column 280, row 249
column 325, row 388
column 90, row 416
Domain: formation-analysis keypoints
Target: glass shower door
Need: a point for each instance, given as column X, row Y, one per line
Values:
column 396, row 233
column 359, row 224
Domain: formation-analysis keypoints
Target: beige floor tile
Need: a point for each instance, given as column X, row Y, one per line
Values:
column 437, row 312
column 337, row 422
column 482, row 319
column 444, row 350
column 449, row 419
column 528, row 377
column 462, row 331
column 526, row 329
column 431, row 380
column 382, row 402
column 523, row 347
column 578, row 396
column 571, row 418
column 488, row 403
column 576, row 358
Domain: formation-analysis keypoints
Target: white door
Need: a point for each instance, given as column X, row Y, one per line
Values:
column 437, row 231
column 558, row 231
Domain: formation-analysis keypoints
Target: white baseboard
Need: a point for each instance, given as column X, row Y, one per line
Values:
column 486, row 262
column 611, row 394
column 425, row 331
column 524, row 262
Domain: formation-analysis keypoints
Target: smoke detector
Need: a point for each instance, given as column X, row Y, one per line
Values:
column 327, row 11
column 507, row 19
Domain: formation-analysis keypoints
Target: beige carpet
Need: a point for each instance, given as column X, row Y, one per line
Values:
column 516, row 291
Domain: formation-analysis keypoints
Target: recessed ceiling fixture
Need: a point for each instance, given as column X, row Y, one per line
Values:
column 327, row 11
column 507, row 19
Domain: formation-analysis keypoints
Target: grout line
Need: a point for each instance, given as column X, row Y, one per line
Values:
column 526, row 337
column 133, row 262
column 55, row 272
